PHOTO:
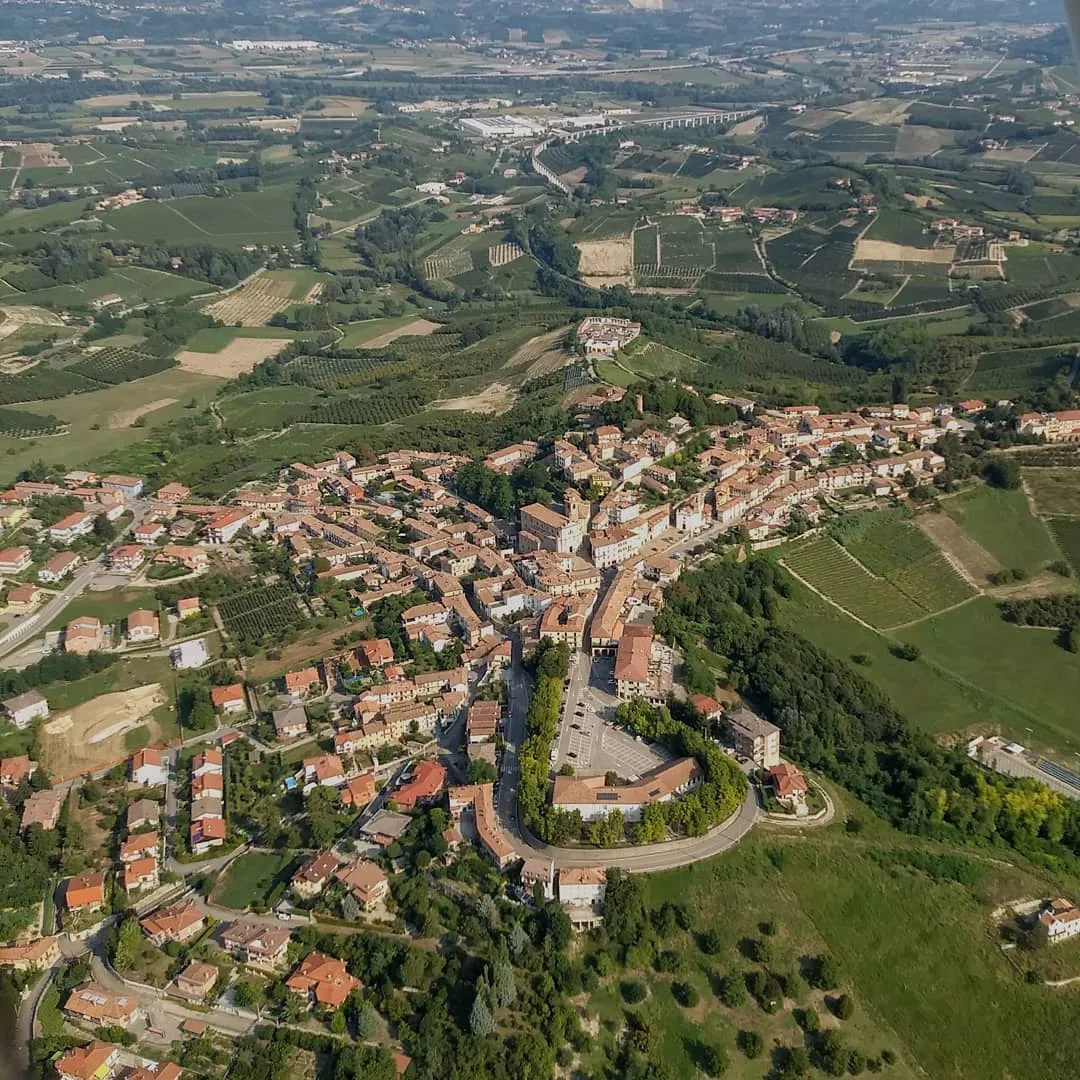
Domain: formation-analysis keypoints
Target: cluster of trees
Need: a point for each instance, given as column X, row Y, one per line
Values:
column 717, row 798
column 838, row 722
column 219, row 266
column 53, row 668
column 537, row 232
column 67, row 262
column 550, row 664
column 500, row 494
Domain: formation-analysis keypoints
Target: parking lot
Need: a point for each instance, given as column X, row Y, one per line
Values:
column 588, row 741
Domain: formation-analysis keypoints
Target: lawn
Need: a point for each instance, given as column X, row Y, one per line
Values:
column 1023, row 670
column 1056, row 491
column 250, row 878
column 1002, row 522
column 123, row 675
column 89, row 415
column 110, row 606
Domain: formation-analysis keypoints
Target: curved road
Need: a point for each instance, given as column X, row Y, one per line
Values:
column 644, row 858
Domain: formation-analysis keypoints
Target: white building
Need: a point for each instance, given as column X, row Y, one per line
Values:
column 26, row 708
column 582, row 886
column 148, row 768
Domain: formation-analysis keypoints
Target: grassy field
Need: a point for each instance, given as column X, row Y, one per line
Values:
column 250, row 878
column 123, row 675
column 1056, row 491
column 923, row 989
column 925, row 692
column 216, row 338
column 1066, row 531
column 1003, row 524
column 258, row 217
column 89, row 416
column 1023, row 669
column 270, row 407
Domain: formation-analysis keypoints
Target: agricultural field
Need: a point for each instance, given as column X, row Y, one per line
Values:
column 257, row 217
column 1017, row 370
column 1066, row 534
column 265, row 612
column 1025, row 671
column 1056, row 491
column 239, row 356
column 898, row 551
column 824, row 564
column 734, row 252
column 94, row 421
column 253, row 304
column 900, row 227
column 1003, row 524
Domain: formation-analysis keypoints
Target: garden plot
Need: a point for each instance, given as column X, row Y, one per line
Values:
column 253, row 304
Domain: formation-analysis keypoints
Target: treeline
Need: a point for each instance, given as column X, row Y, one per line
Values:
column 53, row 668
column 219, row 266
column 551, row 664
column 838, row 722
column 716, row 799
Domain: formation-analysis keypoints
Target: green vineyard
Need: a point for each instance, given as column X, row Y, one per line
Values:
column 267, row 612
column 828, row 568
column 24, row 425
column 387, row 406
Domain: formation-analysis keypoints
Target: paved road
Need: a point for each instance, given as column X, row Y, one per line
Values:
column 79, row 582
column 24, row 1021
column 644, row 858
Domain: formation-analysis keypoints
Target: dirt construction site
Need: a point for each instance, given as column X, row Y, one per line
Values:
column 92, row 734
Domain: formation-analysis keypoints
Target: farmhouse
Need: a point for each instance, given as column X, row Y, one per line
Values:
column 1061, row 918
column 788, row 784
